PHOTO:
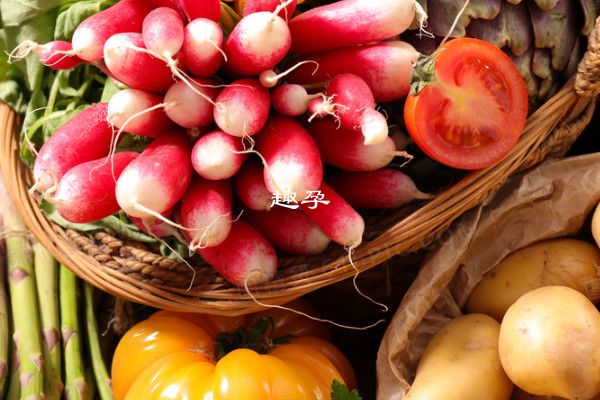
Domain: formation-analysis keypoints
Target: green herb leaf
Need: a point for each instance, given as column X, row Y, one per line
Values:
column 16, row 12
column 339, row 391
column 39, row 29
column 69, row 19
column 116, row 222
column 54, row 216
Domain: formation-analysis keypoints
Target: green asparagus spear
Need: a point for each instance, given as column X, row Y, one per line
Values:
column 75, row 381
column 46, row 273
column 14, row 385
column 4, row 330
column 24, row 301
column 101, row 375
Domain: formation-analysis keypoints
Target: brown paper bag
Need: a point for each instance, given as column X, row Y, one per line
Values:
column 552, row 200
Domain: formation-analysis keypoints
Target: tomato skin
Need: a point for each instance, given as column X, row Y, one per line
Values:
column 151, row 340
column 471, row 112
column 171, row 356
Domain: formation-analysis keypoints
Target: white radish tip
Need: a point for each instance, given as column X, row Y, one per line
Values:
column 268, row 78
column 374, row 127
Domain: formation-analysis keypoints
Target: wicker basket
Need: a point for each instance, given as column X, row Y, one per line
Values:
column 137, row 273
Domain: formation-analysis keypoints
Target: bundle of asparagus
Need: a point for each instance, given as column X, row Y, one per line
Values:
column 42, row 302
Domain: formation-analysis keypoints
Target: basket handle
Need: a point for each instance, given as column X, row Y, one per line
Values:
column 587, row 79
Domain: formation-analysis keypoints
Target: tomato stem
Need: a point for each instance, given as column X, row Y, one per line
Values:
column 423, row 73
column 257, row 337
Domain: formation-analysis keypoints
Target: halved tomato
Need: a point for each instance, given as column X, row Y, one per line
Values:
column 468, row 104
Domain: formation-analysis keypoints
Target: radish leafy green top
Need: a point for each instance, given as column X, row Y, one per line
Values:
column 43, row 94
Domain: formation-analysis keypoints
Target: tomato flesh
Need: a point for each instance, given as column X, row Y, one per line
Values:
column 472, row 112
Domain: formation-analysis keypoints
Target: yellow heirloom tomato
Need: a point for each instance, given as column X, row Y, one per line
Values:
column 175, row 355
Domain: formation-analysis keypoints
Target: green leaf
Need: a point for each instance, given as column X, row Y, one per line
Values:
column 116, row 222
column 69, row 19
column 16, row 12
column 53, row 215
column 339, row 391
column 39, row 29
column 12, row 94
column 109, row 89
column 121, row 224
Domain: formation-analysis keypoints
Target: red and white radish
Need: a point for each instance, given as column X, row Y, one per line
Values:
column 158, row 178
column 86, row 193
column 289, row 230
column 345, row 148
column 354, row 106
column 384, row 66
column 258, row 42
column 139, row 112
column 253, row 6
column 191, row 103
column 337, row 218
column 156, row 227
column 249, row 185
column 242, row 108
column 350, row 22
column 92, row 33
column 245, row 258
column 55, row 54
column 293, row 163
column 193, row 9
column 174, row 4
column 320, row 107
column 203, row 47
column 85, row 137
column 129, row 63
column 162, row 32
column 291, row 99
column 205, row 212
column 269, row 78
column 382, row 188
column 218, row 155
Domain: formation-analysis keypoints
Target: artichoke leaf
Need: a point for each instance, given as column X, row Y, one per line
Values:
column 556, row 30
column 512, row 28
column 579, row 49
column 523, row 63
column 588, row 8
column 442, row 13
column 549, row 87
column 541, row 63
column 546, row 5
column 514, row 1
column 550, row 79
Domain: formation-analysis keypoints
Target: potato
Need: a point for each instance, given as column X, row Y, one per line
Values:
column 596, row 224
column 520, row 394
column 550, row 343
column 563, row 261
column 462, row 363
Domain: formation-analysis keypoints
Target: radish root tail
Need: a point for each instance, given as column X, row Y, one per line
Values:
column 351, row 248
column 22, row 50
column 281, row 307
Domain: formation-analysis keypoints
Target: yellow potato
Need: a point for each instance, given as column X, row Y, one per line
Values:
column 550, row 343
column 563, row 261
column 596, row 224
column 520, row 394
column 462, row 363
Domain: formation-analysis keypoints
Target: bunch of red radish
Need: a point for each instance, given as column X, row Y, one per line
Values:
column 263, row 138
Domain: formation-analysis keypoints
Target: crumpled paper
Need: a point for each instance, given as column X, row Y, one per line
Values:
column 552, row 200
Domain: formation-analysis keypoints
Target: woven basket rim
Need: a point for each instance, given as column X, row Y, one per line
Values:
column 548, row 132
